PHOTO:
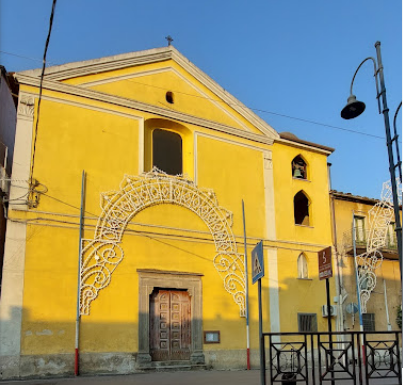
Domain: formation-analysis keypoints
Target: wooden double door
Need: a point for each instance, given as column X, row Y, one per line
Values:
column 170, row 325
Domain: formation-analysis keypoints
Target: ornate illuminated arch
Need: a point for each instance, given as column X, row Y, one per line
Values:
column 101, row 255
column 380, row 217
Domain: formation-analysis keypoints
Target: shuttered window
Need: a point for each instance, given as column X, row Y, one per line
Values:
column 359, row 224
column 368, row 320
column 307, row 322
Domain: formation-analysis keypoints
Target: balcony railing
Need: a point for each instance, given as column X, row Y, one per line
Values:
column 361, row 240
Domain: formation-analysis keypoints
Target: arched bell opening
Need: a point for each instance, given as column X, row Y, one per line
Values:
column 299, row 168
column 301, row 209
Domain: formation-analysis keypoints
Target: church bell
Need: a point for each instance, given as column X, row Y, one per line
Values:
column 298, row 173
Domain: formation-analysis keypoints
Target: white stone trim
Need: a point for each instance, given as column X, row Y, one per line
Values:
column 153, row 109
column 126, row 77
column 272, row 269
column 22, row 151
column 141, row 146
column 229, row 141
column 268, row 180
column 108, row 63
column 303, row 146
column 244, row 111
column 270, row 213
column 146, row 57
column 195, row 174
column 11, row 304
column 87, row 106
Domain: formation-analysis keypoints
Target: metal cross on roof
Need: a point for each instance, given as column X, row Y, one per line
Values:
column 169, row 39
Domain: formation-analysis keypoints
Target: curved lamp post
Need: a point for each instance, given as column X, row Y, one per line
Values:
column 355, row 108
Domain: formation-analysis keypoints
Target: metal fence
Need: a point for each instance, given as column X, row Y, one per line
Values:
column 364, row 358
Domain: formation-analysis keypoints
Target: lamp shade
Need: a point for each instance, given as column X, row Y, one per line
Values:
column 353, row 108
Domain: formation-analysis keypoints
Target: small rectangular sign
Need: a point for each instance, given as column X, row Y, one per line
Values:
column 257, row 262
column 212, row 337
column 325, row 263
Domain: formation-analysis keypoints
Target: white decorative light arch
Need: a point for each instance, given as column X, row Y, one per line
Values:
column 101, row 256
column 380, row 217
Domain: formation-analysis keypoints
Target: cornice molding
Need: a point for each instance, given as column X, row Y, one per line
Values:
column 224, row 95
column 94, row 66
column 141, row 106
column 303, row 146
column 111, row 63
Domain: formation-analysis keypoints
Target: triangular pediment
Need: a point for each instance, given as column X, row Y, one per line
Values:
column 147, row 76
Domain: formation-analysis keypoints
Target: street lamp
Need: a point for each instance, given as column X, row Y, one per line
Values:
column 355, row 108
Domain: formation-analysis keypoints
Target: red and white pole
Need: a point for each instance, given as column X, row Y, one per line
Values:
column 77, row 338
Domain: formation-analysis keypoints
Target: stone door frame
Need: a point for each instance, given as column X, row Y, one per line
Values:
column 151, row 279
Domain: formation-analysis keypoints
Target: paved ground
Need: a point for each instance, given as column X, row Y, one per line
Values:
column 156, row 378
column 212, row 377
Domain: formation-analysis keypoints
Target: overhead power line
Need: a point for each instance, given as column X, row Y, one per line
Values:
column 26, row 57
column 269, row 112
column 41, row 87
column 251, row 108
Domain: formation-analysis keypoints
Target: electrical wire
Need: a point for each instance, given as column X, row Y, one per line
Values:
column 41, row 88
column 251, row 108
column 269, row 112
column 178, row 236
column 26, row 57
column 155, row 235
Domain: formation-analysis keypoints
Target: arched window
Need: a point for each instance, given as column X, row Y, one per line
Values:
column 301, row 209
column 167, row 151
column 302, row 265
column 298, row 166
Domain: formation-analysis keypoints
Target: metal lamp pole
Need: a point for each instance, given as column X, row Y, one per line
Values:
column 354, row 108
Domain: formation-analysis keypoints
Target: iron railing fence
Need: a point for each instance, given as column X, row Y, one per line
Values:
column 350, row 358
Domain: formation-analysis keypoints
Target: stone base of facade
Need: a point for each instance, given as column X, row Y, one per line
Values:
column 9, row 367
column 231, row 359
column 62, row 365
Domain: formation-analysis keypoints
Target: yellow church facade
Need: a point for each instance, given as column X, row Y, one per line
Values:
column 125, row 237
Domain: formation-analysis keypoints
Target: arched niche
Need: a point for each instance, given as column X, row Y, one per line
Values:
column 186, row 135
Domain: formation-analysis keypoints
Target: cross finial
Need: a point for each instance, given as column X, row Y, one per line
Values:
column 169, row 39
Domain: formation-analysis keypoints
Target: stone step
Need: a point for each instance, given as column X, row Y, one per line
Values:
column 171, row 366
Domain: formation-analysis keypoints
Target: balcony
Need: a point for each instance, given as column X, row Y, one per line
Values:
column 389, row 250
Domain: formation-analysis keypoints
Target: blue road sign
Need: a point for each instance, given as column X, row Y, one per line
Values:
column 257, row 262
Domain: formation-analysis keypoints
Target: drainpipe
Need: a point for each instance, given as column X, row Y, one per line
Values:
column 386, row 305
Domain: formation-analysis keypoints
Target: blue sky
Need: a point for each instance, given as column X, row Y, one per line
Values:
column 292, row 59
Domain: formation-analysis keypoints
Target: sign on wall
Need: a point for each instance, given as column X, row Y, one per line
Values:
column 325, row 263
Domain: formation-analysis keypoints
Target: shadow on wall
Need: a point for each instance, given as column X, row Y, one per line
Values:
column 307, row 296
column 47, row 348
